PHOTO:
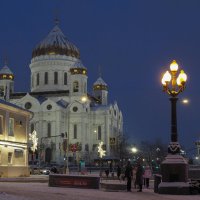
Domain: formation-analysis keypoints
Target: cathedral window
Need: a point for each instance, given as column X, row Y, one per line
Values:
column 99, row 133
column 75, row 86
column 28, row 105
column 75, row 109
column 32, row 80
column 75, row 131
column 85, row 88
column 65, row 78
column 38, row 78
column 46, row 78
column 11, row 127
column 49, row 129
column 49, row 107
column 32, row 127
column 55, row 78
column 10, row 155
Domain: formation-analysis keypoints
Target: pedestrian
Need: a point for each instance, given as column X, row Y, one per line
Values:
column 128, row 175
column 107, row 172
column 134, row 176
column 139, row 176
column 147, row 175
column 118, row 171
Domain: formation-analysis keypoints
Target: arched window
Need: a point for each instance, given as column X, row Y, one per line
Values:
column 75, row 86
column 38, row 78
column 46, row 78
column 65, row 78
column 85, row 88
column 55, row 77
column 75, row 131
column 99, row 133
column 49, row 129
column 32, row 127
column 32, row 81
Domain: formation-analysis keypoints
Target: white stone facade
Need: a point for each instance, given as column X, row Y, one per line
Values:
column 58, row 84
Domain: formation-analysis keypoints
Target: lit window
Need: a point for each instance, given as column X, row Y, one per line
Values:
column 4, row 76
column 11, row 127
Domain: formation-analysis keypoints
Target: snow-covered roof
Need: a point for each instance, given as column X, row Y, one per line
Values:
column 5, row 70
column 99, row 107
column 100, row 81
column 78, row 64
column 41, row 99
column 56, row 43
column 62, row 103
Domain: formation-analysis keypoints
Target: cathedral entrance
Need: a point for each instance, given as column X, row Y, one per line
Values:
column 48, row 155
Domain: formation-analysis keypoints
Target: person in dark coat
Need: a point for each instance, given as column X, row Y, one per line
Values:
column 139, row 176
column 107, row 172
column 128, row 175
column 118, row 171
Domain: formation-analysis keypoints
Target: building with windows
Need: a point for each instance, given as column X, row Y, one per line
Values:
column 14, row 124
column 64, row 111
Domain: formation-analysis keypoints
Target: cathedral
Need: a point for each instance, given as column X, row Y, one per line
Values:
column 69, row 121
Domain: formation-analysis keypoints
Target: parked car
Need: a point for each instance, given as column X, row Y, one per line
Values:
column 34, row 170
column 45, row 171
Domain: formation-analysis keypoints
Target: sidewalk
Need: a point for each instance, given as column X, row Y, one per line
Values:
column 36, row 187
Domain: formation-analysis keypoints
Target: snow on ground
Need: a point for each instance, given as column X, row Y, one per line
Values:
column 41, row 191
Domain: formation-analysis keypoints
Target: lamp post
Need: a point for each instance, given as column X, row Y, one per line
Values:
column 174, row 168
column 174, row 85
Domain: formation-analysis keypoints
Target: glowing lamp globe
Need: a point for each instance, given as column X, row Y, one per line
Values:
column 174, row 66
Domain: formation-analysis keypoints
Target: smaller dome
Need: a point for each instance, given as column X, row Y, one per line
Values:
column 6, row 73
column 100, row 84
column 78, row 68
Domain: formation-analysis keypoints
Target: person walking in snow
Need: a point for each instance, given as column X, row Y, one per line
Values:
column 128, row 175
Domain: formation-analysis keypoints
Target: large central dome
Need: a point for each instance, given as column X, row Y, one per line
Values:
column 56, row 44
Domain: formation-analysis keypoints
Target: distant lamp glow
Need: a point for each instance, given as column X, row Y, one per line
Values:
column 84, row 99
column 134, row 150
column 174, row 66
column 166, row 78
column 185, row 101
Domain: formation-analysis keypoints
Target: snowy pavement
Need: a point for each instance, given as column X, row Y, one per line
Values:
column 41, row 191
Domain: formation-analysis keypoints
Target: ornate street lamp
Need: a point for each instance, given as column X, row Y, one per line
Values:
column 173, row 85
column 174, row 168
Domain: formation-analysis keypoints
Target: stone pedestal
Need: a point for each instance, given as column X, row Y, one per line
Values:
column 174, row 170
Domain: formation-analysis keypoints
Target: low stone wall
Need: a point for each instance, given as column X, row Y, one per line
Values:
column 14, row 171
column 78, row 181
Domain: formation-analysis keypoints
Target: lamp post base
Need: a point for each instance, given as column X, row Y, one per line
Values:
column 174, row 170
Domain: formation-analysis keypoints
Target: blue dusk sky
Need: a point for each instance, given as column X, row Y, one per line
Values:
column 134, row 42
